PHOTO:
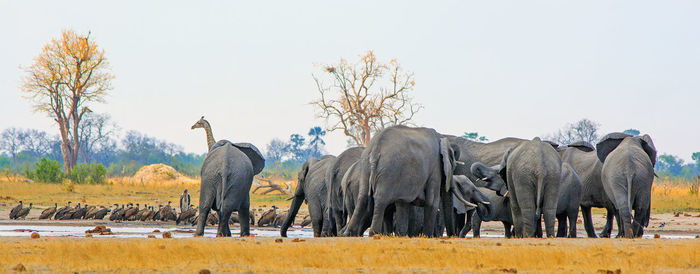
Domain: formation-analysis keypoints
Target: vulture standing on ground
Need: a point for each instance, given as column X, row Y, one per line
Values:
column 48, row 213
column 24, row 212
column 61, row 211
column 15, row 210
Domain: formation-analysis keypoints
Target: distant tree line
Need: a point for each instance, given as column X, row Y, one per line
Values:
column 285, row 158
column 21, row 151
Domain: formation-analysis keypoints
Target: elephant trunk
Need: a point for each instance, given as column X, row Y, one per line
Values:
column 293, row 209
column 485, row 209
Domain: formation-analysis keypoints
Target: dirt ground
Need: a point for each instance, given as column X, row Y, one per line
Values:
column 672, row 224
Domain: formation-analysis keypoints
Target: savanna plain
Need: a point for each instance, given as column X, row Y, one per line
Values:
column 675, row 205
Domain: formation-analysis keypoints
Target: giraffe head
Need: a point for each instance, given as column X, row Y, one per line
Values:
column 200, row 124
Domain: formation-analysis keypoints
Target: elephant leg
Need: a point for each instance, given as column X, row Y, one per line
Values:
column 476, row 226
column 244, row 214
column 459, row 221
column 538, row 229
column 224, row 215
column 516, row 215
column 430, row 212
column 377, row 217
column 388, row 226
column 507, row 228
column 626, row 222
column 573, row 215
column 401, row 219
column 607, row 229
column 339, row 221
column 528, row 221
column 204, row 209
column 326, row 227
column 467, row 224
column 561, row 225
column 588, row 221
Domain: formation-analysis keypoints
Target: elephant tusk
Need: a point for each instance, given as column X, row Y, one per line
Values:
column 484, row 202
column 484, row 179
column 505, row 195
column 461, row 199
column 460, row 163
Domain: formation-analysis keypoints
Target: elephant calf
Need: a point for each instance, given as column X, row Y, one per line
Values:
column 501, row 212
column 569, row 200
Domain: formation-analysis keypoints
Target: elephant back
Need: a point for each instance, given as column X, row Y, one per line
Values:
column 250, row 150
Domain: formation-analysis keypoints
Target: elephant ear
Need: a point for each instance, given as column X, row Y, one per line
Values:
column 448, row 161
column 256, row 158
column 552, row 143
column 305, row 169
column 649, row 148
column 582, row 146
column 608, row 143
column 504, row 164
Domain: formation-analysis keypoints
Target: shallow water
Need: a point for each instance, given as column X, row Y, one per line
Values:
column 10, row 230
column 133, row 232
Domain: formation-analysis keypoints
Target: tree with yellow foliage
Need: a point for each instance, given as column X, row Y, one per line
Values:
column 69, row 74
column 365, row 97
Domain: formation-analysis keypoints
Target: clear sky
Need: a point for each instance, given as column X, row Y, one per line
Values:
column 502, row 68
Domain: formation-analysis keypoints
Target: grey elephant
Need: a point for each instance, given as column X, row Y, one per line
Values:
column 406, row 166
column 501, row 213
column 583, row 157
column 227, row 174
column 335, row 217
column 312, row 190
column 627, row 175
column 568, row 202
column 350, row 185
column 532, row 172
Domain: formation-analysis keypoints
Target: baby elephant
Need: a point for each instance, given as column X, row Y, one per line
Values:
column 569, row 200
column 501, row 208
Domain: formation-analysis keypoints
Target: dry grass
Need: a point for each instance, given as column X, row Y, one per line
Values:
column 349, row 254
column 670, row 196
column 121, row 190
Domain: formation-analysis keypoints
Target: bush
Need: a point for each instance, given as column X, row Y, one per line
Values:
column 47, row 171
column 89, row 174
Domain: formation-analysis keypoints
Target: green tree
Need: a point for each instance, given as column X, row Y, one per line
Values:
column 474, row 136
column 671, row 164
column 316, row 134
column 632, row 132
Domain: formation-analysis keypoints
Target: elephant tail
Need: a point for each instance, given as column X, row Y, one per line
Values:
column 373, row 159
column 538, row 210
column 629, row 193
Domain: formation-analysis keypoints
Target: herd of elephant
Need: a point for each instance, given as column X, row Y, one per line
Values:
column 412, row 181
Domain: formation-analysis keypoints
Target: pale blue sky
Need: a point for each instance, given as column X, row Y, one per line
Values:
column 502, row 68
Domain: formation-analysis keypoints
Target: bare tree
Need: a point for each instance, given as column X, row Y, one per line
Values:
column 365, row 97
column 95, row 132
column 11, row 141
column 582, row 130
column 70, row 73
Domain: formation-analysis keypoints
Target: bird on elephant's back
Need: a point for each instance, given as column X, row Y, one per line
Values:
column 627, row 176
column 226, row 177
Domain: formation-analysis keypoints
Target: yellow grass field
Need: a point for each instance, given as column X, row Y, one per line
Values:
column 350, row 254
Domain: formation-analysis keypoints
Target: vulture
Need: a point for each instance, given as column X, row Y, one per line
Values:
column 24, row 212
column 101, row 213
column 15, row 210
column 79, row 212
column 60, row 212
column 117, row 213
column 268, row 217
column 187, row 214
column 131, row 212
column 49, row 212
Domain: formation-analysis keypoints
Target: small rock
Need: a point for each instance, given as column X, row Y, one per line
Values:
column 278, row 240
column 377, row 236
column 499, row 244
column 88, row 235
column 687, row 215
column 156, row 231
column 19, row 268
column 152, row 236
column 204, row 271
column 167, row 235
column 509, row 270
column 296, row 240
column 34, row 235
column 656, row 236
column 697, row 236
column 99, row 229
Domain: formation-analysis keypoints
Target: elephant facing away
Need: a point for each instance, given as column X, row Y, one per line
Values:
column 532, row 172
column 335, row 217
column 583, row 157
column 227, row 174
column 627, row 175
column 312, row 190
column 568, row 202
column 406, row 166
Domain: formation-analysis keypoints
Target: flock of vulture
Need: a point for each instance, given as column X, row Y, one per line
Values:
column 129, row 212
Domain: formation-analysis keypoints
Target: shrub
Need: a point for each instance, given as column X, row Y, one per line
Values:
column 48, row 171
column 89, row 174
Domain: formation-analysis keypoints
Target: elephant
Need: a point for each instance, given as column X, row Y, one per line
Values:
column 627, row 175
column 532, row 172
column 227, row 174
column 334, row 215
column 583, row 157
column 350, row 186
column 569, row 201
column 406, row 166
column 312, row 190
column 501, row 212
